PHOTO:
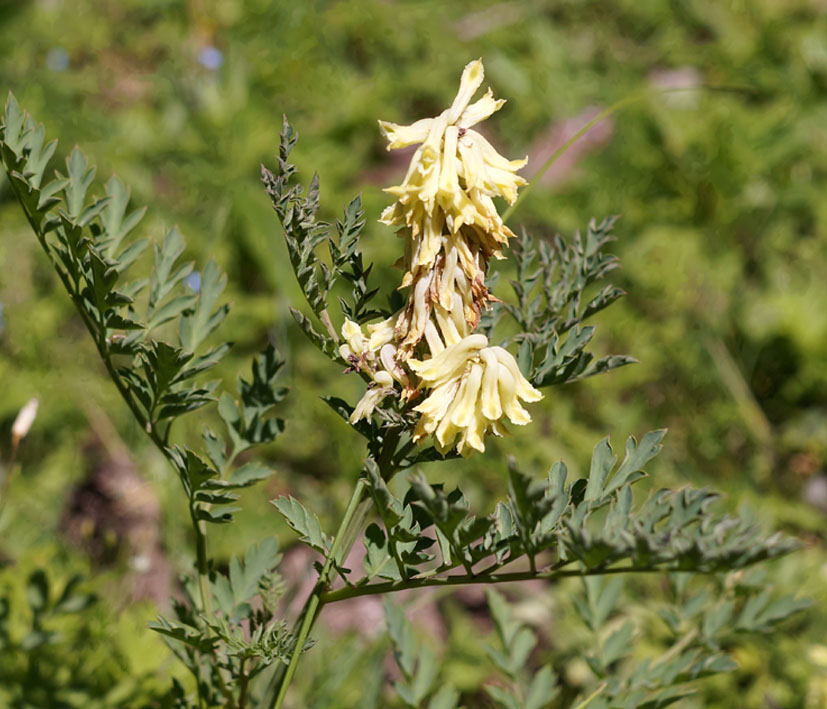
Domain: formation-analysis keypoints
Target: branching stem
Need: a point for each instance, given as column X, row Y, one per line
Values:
column 344, row 594
column 314, row 603
column 98, row 334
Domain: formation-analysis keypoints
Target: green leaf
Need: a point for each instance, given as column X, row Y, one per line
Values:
column 263, row 391
column 249, row 474
column 618, row 644
column 426, row 671
column 220, row 516
column 244, row 578
column 184, row 634
column 402, row 636
column 503, row 697
column 602, row 463
column 637, row 456
column 171, row 310
column 302, row 521
column 80, row 177
column 325, row 344
column 378, row 560
column 116, row 225
column 529, row 506
column 542, row 690
column 166, row 274
column 216, row 449
column 193, row 470
column 13, row 125
column 446, row 697
column 197, row 326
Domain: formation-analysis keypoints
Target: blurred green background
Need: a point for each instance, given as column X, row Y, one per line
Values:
column 723, row 237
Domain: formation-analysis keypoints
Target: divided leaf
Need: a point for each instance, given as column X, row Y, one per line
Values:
column 304, row 522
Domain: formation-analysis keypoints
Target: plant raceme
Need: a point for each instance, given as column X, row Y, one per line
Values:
column 446, row 215
column 438, row 383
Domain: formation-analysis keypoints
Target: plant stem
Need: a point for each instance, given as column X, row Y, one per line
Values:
column 202, row 564
column 593, row 695
column 243, row 681
column 314, row 602
column 344, row 594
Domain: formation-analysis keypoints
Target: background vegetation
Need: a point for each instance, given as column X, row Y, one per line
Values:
column 722, row 237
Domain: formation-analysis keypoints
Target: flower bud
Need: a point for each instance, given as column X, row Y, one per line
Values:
column 23, row 422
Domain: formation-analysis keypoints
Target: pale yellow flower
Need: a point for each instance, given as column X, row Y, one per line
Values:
column 376, row 357
column 472, row 387
column 378, row 389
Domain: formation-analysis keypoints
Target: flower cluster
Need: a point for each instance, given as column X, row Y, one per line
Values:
column 446, row 214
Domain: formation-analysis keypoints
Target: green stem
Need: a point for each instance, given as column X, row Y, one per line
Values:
column 678, row 647
column 344, row 594
column 202, row 563
column 243, row 682
column 593, row 695
column 314, row 603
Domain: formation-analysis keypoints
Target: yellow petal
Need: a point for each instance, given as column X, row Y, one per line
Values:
column 437, row 403
column 480, row 110
column 490, row 155
column 381, row 333
column 466, row 408
column 402, row 136
column 353, row 334
column 522, row 387
column 432, row 337
column 471, row 80
column 490, row 398
column 449, row 360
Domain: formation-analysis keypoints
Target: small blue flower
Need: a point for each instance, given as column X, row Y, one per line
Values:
column 211, row 58
column 194, row 281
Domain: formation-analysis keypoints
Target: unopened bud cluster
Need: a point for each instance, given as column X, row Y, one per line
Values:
column 446, row 214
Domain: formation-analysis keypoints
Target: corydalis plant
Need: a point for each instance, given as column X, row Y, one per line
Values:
column 430, row 368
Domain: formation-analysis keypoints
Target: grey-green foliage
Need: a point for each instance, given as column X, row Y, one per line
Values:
column 517, row 641
column 251, row 638
column 551, row 287
column 304, row 522
column 701, row 626
column 304, row 234
column 419, row 666
column 153, row 334
column 591, row 525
